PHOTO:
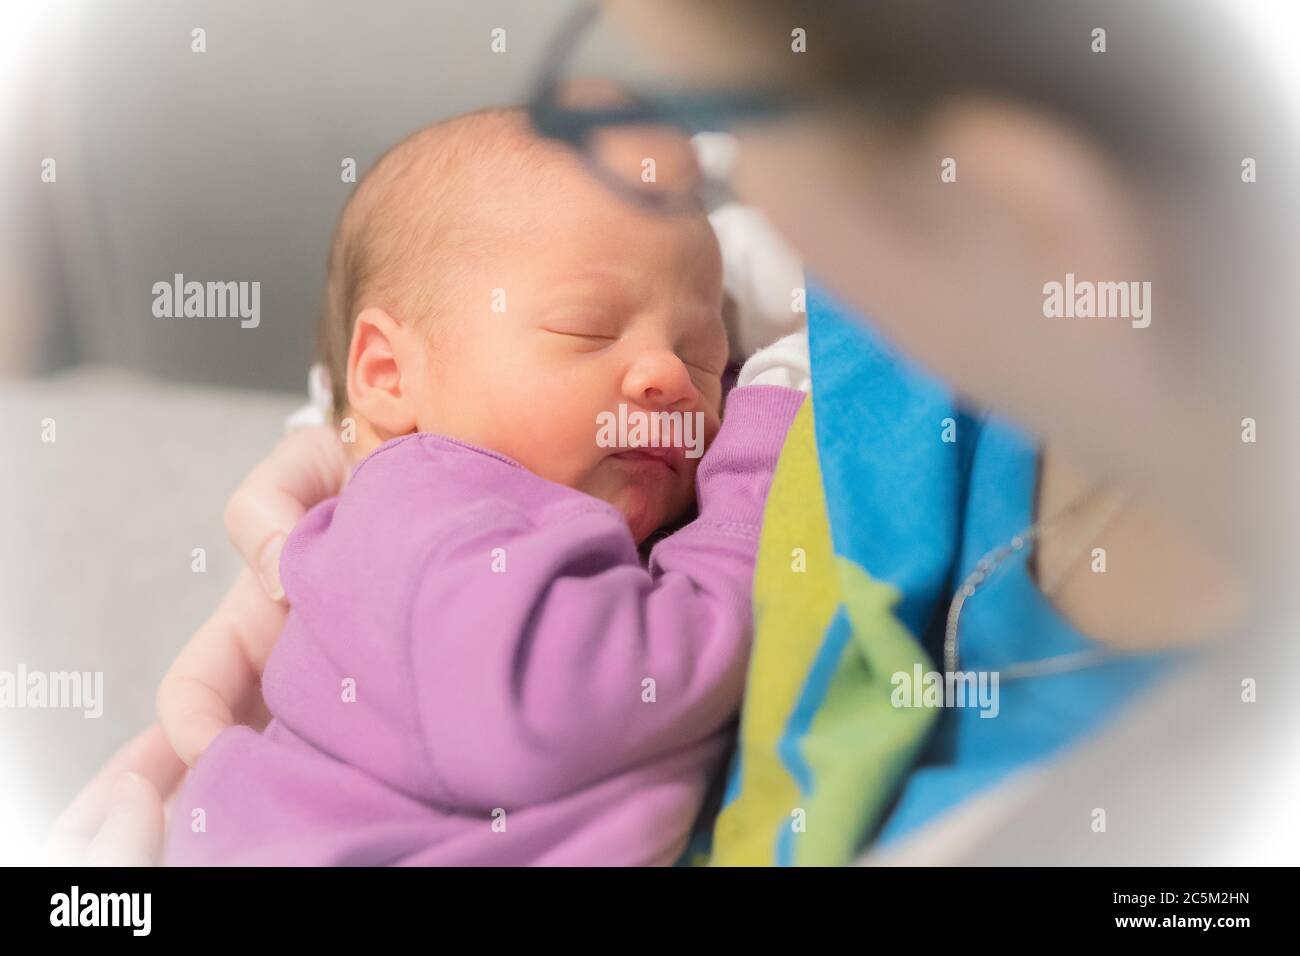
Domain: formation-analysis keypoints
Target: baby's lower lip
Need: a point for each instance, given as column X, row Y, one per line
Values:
column 645, row 458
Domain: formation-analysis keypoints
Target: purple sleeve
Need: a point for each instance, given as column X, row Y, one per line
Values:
column 558, row 659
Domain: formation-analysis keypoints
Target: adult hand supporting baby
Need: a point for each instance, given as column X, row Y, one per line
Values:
column 307, row 466
column 118, row 818
column 215, row 680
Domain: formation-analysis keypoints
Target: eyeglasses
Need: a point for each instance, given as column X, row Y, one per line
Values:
column 637, row 143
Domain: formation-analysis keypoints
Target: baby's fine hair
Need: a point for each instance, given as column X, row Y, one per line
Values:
column 412, row 218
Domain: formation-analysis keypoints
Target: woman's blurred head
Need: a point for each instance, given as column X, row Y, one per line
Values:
column 960, row 157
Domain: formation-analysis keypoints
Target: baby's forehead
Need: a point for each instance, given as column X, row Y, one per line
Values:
column 460, row 164
column 473, row 191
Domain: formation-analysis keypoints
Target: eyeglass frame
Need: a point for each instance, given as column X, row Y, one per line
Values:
column 688, row 112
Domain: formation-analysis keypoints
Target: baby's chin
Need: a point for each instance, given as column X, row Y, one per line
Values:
column 643, row 521
column 646, row 508
column 649, row 494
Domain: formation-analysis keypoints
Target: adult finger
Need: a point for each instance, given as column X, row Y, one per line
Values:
column 307, row 466
column 132, row 831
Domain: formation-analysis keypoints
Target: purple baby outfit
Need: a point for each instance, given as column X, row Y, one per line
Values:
column 464, row 675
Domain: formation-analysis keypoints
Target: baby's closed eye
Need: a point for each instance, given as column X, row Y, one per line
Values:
column 706, row 365
column 582, row 334
column 704, row 357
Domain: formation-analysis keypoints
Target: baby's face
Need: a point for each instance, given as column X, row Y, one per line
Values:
column 600, row 305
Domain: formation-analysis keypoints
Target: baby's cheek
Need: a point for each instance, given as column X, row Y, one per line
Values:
column 554, row 443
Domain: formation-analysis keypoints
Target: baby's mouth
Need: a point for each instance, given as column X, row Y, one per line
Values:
column 667, row 458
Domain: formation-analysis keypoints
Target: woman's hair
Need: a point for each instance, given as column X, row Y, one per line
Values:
column 1176, row 85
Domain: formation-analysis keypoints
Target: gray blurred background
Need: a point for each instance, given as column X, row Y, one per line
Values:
column 223, row 166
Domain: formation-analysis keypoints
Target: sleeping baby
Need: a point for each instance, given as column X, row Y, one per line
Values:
column 479, row 667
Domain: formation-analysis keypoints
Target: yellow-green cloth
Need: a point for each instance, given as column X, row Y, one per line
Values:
column 821, row 749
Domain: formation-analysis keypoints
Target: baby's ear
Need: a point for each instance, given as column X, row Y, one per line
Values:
column 376, row 389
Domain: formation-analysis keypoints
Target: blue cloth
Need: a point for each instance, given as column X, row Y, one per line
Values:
column 918, row 511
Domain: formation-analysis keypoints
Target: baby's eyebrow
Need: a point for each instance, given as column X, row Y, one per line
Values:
column 599, row 277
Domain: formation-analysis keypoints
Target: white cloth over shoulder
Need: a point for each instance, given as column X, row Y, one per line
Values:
column 784, row 362
column 319, row 407
column 761, row 273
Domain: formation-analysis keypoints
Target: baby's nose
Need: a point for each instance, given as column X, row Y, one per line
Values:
column 659, row 380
